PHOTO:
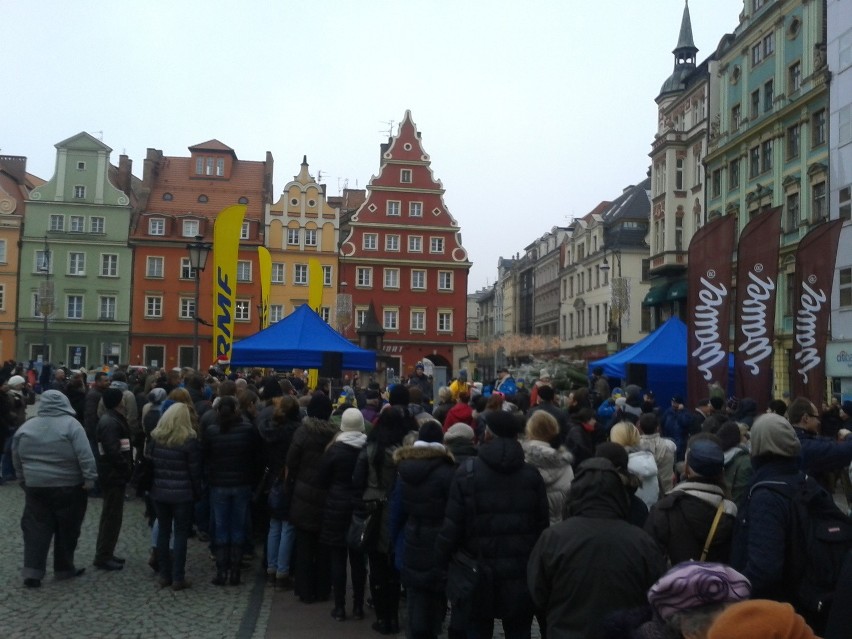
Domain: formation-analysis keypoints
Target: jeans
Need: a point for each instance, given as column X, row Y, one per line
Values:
column 181, row 515
column 110, row 523
column 230, row 508
column 279, row 546
column 358, row 568
column 426, row 612
column 57, row 514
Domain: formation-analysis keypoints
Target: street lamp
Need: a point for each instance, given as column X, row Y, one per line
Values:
column 45, row 297
column 618, row 299
column 198, row 252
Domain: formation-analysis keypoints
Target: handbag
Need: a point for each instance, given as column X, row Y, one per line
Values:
column 363, row 532
column 262, row 487
column 277, row 499
column 142, row 475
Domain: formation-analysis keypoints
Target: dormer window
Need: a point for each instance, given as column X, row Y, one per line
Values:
column 190, row 228
column 202, row 199
column 168, row 197
column 210, row 166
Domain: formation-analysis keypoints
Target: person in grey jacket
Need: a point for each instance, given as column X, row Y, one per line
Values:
column 54, row 461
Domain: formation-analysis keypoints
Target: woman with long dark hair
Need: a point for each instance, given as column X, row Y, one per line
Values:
column 375, row 473
column 231, row 452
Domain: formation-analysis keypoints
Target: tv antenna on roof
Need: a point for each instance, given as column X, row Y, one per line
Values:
column 389, row 132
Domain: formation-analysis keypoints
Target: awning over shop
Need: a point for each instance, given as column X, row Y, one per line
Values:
column 656, row 295
column 677, row 290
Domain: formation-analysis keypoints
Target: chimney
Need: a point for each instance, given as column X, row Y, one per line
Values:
column 125, row 169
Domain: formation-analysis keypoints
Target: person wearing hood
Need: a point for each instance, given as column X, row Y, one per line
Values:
column 277, row 423
column 479, row 522
column 335, row 475
column 115, row 462
column 639, row 462
column 553, row 464
column 738, row 469
column 54, row 461
column 594, row 562
column 307, row 499
column 681, row 522
column 419, row 500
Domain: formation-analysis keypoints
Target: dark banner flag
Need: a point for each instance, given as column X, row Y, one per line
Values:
column 757, row 279
column 711, row 253
column 815, row 258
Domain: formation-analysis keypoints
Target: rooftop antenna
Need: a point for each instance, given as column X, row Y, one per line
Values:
column 319, row 176
column 389, row 132
column 100, row 135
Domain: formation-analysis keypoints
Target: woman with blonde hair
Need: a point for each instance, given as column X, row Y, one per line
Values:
column 182, row 396
column 553, row 464
column 639, row 462
column 176, row 455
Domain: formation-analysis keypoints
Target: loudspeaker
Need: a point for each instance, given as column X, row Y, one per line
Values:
column 638, row 374
column 332, row 365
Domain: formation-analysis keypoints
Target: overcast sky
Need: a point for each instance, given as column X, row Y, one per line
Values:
column 532, row 111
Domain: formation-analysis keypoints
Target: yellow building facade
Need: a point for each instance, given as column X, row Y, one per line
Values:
column 302, row 232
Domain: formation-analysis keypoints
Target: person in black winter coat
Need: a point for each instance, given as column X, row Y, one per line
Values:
column 307, row 499
column 594, row 562
column 231, row 453
column 114, row 466
column 426, row 471
column 335, row 474
column 176, row 455
column 375, row 475
column 479, row 522
column 459, row 441
column 277, row 423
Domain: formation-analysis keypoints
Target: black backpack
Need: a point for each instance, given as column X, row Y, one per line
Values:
column 820, row 537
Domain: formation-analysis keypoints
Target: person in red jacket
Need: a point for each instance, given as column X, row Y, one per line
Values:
column 461, row 413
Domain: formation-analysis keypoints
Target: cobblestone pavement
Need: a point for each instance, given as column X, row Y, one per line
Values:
column 124, row 604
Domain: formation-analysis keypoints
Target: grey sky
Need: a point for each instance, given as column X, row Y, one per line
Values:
column 532, row 112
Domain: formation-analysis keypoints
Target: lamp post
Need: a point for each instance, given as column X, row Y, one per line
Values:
column 198, row 252
column 45, row 298
column 618, row 295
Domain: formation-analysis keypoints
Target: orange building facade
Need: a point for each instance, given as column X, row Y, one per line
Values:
column 181, row 197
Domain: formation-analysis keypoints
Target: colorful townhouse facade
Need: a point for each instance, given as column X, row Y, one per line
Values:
column 15, row 186
column 75, row 262
column 403, row 255
column 300, row 227
column 180, row 199
column 771, row 144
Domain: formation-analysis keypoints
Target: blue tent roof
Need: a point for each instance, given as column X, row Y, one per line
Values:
column 666, row 346
column 299, row 341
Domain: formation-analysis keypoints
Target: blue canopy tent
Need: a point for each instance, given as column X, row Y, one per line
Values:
column 656, row 363
column 300, row 340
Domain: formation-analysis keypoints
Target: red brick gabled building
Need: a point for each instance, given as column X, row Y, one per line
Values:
column 180, row 199
column 403, row 253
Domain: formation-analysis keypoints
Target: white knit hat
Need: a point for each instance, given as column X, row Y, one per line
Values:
column 352, row 421
column 16, row 380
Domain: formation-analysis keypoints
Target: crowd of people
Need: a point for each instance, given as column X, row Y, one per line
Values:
column 595, row 512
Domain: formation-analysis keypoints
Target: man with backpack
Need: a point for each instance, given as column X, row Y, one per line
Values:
column 791, row 538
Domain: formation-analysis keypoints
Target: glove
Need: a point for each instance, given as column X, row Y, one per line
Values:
column 88, row 485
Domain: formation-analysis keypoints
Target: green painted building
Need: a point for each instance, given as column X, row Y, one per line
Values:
column 75, row 262
column 768, row 143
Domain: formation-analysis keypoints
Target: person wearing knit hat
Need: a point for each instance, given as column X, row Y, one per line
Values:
column 398, row 395
column 16, row 382
column 352, row 421
column 459, row 441
column 319, row 406
column 336, row 467
column 502, row 424
column 760, row 618
column 694, row 584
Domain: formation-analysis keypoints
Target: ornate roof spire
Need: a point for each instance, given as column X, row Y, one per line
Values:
column 685, row 43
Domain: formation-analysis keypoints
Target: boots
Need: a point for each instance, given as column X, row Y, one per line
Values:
column 236, row 559
column 223, row 563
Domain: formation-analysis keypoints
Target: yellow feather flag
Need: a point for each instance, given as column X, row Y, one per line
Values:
column 264, row 260
column 226, row 250
column 314, row 301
